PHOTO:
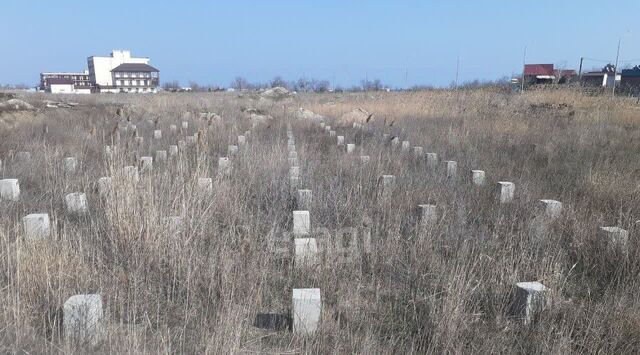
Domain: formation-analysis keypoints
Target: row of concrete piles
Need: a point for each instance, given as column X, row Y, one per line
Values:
column 530, row 296
column 83, row 313
column 306, row 303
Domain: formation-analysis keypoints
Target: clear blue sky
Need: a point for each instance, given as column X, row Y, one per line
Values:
column 211, row 42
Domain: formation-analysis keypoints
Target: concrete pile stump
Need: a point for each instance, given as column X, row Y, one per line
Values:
column 388, row 185
column 506, row 191
column 364, row 159
column 551, row 209
column 332, row 133
column 529, row 301
column 76, row 203
column 405, row 146
column 616, row 238
column 146, row 164
column 36, row 226
column 70, row 165
column 242, row 141
column 451, row 169
column 173, row 129
column 173, row 150
column 185, row 125
column 307, row 308
column 83, row 319
column 340, row 140
column 418, row 152
column 9, row 190
column 477, row 177
column 224, row 166
column 301, row 223
column 428, row 215
column 157, row 134
column 351, row 148
column 432, row 161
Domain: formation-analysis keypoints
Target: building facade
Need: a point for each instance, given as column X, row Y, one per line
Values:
column 135, row 77
column 100, row 67
column 80, row 80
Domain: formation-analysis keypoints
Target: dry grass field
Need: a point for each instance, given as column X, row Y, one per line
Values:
column 445, row 287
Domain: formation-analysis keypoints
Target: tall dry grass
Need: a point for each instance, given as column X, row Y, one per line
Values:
column 443, row 289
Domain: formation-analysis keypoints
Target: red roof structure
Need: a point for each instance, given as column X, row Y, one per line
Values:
column 539, row 69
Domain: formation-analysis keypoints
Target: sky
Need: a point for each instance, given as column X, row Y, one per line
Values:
column 402, row 43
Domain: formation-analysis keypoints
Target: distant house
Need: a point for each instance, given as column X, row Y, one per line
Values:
column 547, row 74
column 60, row 86
column 603, row 78
column 80, row 80
column 539, row 73
column 135, row 77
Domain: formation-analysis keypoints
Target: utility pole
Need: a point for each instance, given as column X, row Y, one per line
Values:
column 580, row 70
column 524, row 64
column 615, row 69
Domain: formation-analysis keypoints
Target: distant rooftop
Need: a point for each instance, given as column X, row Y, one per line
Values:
column 539, row 69
column 134, row 67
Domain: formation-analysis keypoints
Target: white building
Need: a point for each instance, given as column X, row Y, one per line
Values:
column 100, row 67
column 61, row 86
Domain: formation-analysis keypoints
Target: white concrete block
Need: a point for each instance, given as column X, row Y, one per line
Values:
column 161, row 156
column 432, row 161
column 529, row 300
column 506, row 191
column 105, row 185
column 451, row 169
column 157, row 134
column 108, row 152
column 139, row 140
column 418, row 152
column 146, row 164
column 395, row 141
column 131, row 174
column 304, row 200
column 340, row 140
column 204, row 186
column 388, row 185
column 332, row 133
column 351, row 148
column 185, row 125
column 9, row 190
column 406, row 145
column 322, row 124
column 83, row 319
column 307, row 308
column 182, row 145
column 70, row 164
column 327, row 128
column 306, row 252
column 224, row 166
column 173, row 129
column 616, row 238
column 173, row 150
column 364, row 159
column 301, row 223
column 477, row 177
column 36, row 226
column 242, row 141
column 76, row 203
column 551, row 209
